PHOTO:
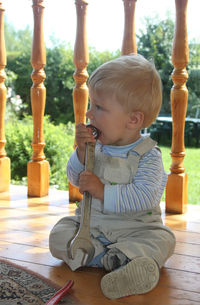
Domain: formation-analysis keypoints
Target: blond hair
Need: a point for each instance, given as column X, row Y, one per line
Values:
column 133, row 81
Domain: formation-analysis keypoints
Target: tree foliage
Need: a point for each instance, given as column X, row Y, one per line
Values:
column 17, row 41
column 59, row 84
column 194, row 57
column 154, row 42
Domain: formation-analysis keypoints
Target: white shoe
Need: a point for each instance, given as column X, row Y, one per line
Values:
column 139, row 276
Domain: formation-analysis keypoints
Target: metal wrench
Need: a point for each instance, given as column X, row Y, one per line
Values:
column 82, row 239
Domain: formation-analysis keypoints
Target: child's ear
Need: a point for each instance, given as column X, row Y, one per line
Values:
column 136, row 119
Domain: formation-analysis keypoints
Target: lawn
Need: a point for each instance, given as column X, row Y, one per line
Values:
column 192, row 168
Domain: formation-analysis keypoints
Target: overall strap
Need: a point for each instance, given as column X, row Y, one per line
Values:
column 144, row 146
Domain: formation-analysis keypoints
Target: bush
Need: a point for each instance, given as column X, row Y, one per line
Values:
column 59, row 146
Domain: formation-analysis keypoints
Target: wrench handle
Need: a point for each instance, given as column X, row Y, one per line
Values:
column 87, row 198
column 82, row 238
column 85, row 213
column 89, row 158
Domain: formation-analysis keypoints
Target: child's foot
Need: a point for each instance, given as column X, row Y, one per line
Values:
column 137, row 277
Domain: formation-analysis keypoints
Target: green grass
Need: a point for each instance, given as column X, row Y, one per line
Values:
column 192, row 168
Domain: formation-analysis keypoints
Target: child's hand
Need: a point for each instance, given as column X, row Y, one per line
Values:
column 83, row 136
column 91, row 183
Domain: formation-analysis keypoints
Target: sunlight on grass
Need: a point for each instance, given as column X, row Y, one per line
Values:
column 192, row 168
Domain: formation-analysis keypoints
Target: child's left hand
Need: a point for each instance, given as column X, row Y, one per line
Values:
column 91, row 183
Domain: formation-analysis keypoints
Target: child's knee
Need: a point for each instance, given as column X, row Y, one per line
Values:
column 59, row 238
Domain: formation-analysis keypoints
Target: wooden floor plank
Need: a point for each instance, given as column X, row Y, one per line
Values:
column 187, row 237
column 25, row 224
column 36, row 254
column 188, row 281
column 187, row 249
column 184, row 263
column 183, row 225
column 165, row 293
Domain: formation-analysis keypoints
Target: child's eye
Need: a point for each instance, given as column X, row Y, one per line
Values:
column 98, row 107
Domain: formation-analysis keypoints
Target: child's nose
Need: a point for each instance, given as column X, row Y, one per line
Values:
column 89, row 114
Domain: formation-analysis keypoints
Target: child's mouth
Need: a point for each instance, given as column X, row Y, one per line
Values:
column 95, row 131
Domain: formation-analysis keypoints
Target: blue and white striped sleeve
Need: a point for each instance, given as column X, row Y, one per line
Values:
column 74, row 168
column 144, row 192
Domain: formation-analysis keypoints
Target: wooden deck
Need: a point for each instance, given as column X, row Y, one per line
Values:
column 24, row 229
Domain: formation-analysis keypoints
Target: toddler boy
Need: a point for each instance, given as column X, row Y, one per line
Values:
column 130, row 240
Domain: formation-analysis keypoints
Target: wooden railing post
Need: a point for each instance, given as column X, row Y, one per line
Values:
column 4, row 161
column 80, row 91
column 176, row 191
column 129, row 38
column 38, row 168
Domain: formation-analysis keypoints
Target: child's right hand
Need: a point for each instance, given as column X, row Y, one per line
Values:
column 83, row 135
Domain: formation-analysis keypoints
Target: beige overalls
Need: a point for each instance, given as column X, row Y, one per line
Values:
column 133, row 234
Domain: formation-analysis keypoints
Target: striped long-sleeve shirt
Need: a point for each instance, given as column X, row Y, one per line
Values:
column 146, row 188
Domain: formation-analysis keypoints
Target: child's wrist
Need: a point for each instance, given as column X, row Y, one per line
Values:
column 81, row 155
column 101, row 193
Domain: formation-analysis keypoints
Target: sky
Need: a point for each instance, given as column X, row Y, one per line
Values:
column 105, row 19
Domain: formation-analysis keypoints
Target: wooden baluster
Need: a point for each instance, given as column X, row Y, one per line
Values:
column 38, row 168
column 176, row 191
column 129, row 38
column 80, row 91
column 4, row 161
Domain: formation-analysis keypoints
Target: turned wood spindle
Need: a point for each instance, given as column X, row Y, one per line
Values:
column 176, row 190
column 80, row 91
column 129, row 38
column 38, row 168
column 81, row 60
column 4, row 160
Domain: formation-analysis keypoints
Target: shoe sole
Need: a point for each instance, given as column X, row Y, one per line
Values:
column 139, row 276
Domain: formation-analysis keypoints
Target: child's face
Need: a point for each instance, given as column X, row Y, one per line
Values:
column 110, row 118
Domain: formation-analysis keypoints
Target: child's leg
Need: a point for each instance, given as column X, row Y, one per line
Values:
column 59, row 240
column 158, row 244
column 139, row 273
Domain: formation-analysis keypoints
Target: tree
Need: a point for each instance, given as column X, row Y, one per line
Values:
column 98, row 58
column 155, row 43
column 59, row 83
column 17, row 41
column 194, row 80
column 18, row 49
column 194, row 57
column 21, row 66
column 59, row 80
column 194, row 93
